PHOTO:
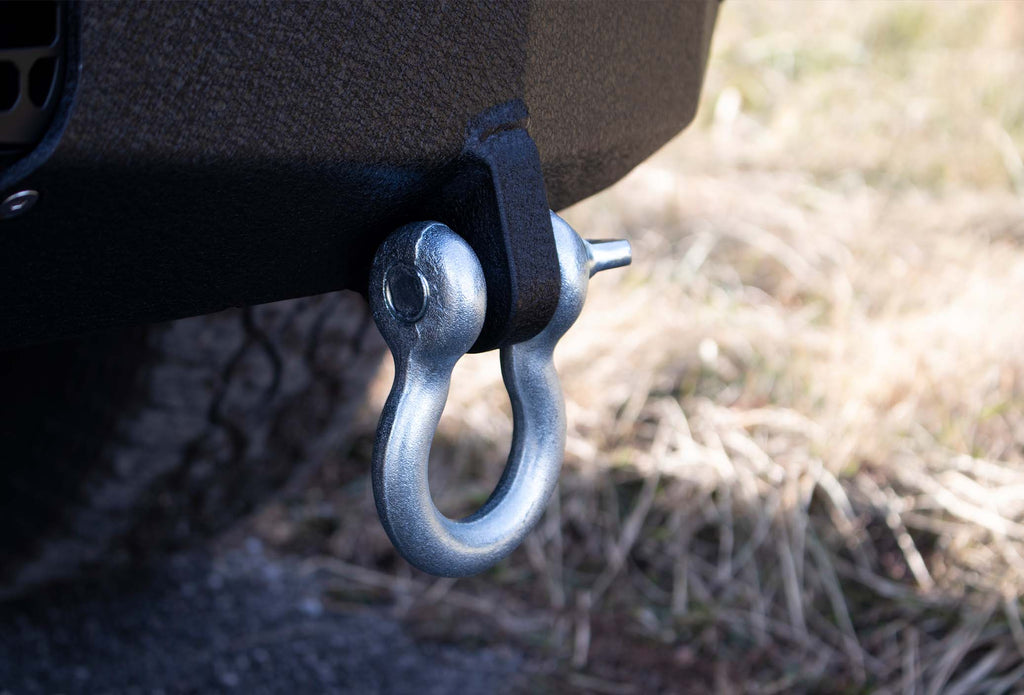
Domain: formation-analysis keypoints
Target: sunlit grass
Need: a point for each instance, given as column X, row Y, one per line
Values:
column 923, row 94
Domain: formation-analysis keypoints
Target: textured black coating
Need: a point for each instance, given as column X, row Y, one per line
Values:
column 225, row 154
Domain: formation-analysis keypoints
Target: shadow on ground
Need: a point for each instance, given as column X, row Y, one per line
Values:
column 242, row 623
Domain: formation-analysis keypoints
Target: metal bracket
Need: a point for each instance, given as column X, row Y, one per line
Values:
column 429, row 298
column 495, row 199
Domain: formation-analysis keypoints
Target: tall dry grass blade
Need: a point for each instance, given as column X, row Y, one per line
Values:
column 627, row 538
column 841, row 612
column 957, row 645
column 581, row 635
column 1003, row 684
column 911, row 671
column 969, row 683
column 1011, row 609
column 891, row 508
column 791, row 584
column 411, row 589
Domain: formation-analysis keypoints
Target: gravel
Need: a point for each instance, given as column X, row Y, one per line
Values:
column 242, row 622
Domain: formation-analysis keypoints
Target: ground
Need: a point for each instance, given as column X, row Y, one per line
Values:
column 238, row 622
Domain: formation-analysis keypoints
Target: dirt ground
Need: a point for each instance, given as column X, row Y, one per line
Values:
column 240, row 621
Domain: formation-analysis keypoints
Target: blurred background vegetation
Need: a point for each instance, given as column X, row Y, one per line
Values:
column 796, row 437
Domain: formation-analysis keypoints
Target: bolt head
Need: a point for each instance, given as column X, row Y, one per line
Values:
column 406, row 292
column 18, row 204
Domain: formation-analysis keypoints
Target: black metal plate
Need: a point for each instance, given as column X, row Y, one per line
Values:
column 224, row 154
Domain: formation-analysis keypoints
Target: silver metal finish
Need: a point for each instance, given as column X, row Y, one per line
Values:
column 608, row 254
column 18, row 204
column 428, row 298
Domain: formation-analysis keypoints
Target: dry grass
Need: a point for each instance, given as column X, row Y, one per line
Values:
column 796, row 445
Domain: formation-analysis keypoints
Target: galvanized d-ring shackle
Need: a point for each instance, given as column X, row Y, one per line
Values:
column 428, row 298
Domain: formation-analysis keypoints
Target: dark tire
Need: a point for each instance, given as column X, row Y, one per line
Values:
column 127, row 443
